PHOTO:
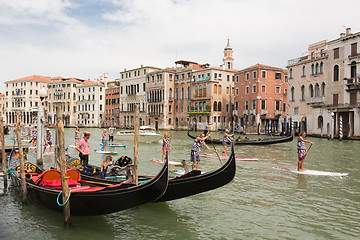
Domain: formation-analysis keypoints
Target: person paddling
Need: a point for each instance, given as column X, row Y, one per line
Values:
column 195, row 156
column 84, row 149
column 105, row 140
column 227, row 138
column 301, row 150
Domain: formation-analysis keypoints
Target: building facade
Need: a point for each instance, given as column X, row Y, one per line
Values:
column 2, row 104
column 23, row 95
column 112, row 103
column 261, row 97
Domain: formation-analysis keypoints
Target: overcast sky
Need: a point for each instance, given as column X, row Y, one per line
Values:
column 86, row 38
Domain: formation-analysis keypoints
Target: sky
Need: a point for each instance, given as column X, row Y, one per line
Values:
column 87, row 38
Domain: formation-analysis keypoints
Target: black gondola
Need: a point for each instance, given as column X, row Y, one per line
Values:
column 264, row 141
column 93, row 198
column 193, row 182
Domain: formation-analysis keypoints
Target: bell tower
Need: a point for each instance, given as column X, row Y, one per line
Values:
column 228, row 59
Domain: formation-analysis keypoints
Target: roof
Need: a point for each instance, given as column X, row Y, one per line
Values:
column 260, row 66
column 32, row 78
column 88, row 83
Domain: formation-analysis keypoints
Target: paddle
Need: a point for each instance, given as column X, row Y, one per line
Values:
column 215, row 150
column 297, row 161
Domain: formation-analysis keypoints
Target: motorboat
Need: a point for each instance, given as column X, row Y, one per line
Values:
column 146, row 134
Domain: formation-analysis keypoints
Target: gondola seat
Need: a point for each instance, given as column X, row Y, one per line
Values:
column 51, row 179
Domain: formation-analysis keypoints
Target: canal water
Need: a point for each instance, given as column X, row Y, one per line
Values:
column 260, row 203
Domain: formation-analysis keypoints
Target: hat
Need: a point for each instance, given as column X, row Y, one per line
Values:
column 87, row 133
column 47, row 129
column 226, row 130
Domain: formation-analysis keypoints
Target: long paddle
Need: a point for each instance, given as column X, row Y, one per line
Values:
column 215, row 150
column 297, row 161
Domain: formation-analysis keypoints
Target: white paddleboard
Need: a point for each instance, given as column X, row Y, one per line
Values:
column 32, row 147
column 315, row 172
column 114, row 145
column 72, row 146
column 170, row 162
column 106, row 152
column 236, row 158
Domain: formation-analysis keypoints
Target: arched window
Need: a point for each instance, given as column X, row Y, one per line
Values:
column 317, row 90
column 320, row 122
column 336, row 73
column 311, row 90
column 204, row 90
column 303, row 93
column 196, row 91
column 291, row 73
column 292, row 94
column 200, row 90
column 317, row 69
column 219, row 106
column 177, row 94
column 188, row 93
column 303, row 71
column 200, row 106
column 215, row 106
column 323, row 86
column 219, row 89
column 196, row 106
column 353, row 69
column 215, row 88
column 204, row 105
column 170, row 94
column 312, row 69
column 321, row 68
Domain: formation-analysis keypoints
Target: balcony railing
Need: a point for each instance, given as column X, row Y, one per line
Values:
column 252, row 112
column 310, row 100
column 352, row 81
column 264, row 111
column 245, row 112
column 203, row 111
column 278, row 112
column 351, row 56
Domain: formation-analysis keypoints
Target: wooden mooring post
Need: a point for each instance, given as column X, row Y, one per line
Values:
column 3, row 158
column 136, row 143
column 62, row 163
column 22, row 161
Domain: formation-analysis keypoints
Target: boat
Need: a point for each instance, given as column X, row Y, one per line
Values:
column 146, row 134
column 189, row 184
column 87, row 198
column 264, row 141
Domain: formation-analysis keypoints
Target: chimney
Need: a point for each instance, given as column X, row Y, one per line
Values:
column 142, row 65
column 105, row 79
column 342, row 35
column 348, row 31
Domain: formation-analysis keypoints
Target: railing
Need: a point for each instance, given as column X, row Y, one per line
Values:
column 252, row 112
column 354, row 55
column 245, row 112
column 263, row 111
column 203, row 111
column 315, row 99
column 278, row 112
column 352, row 81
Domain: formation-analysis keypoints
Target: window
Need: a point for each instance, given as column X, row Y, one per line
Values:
column 302, row 93
column 254, row 75
column 215, row 106
column 219, row 106
column 354, row 49
column 335, row 99
column 278, row 76
column 296, row 111
column 196, row 91
column 227, row 90
column 263, row 88
column 277, row 105
column 254, row 104
column 263, row 74
column 170, row 94
column 336, row 73
column 292, row 94
column 291, row 73
column 277, row 90
column 237, row 79
column 263, row 104
column 237, row 92
column 219, row 89
column 247, row 76
column 254, row 90
column 320, row 122
column 323, row 86
column 311, row 90
column 336, row 53
column 247, row 90
column 312, row 69
column 317, row 90
column 246, row 105
column 321, row 68
column 303, row 71
column 353, row 69
column 228, row 77
column 188, row 93
column 215, row 88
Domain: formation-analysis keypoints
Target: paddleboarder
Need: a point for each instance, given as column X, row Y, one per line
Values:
column 166, row 145
column 111, row 134
column 84, row 149
column 194, row 155
column 301, row 150
column 77, row 135
column 227, row 138
column 48, row 141
column 105, row 139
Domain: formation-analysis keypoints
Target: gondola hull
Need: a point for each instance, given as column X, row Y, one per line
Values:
column 108, row 200
column 265, row 141
column 181, row 187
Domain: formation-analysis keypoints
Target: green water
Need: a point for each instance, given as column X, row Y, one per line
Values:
column 260, row 203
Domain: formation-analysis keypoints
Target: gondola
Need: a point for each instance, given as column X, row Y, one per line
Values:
column 264, row 141
column 88, row 198
column 191, row 183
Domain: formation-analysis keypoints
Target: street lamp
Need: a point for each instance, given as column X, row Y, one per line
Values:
column 40, row 126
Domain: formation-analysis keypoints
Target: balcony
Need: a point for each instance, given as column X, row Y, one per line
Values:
column 352, row 81
column 278, row 112
column 353, row 56
column 310, row 100
column 252, row 112
column 263, row 111
column 235, row 113
column 245, row 112
column 203, row 111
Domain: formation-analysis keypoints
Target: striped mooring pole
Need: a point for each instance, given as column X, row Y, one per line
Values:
column 340, row 128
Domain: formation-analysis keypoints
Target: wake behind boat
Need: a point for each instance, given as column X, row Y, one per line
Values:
column 314, row 172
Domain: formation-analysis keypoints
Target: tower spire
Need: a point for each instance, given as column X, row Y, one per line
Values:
column 228, row 59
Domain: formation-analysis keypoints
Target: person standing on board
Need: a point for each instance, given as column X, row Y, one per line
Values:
column 34, row 136
column 301, row 150
column 29, row 132
column 227, row 138
column 194, row 155
column 166, row 145
column 77, row 135
column 48, row 141
column 111, row 134
column 84, row 149
column 105, row 139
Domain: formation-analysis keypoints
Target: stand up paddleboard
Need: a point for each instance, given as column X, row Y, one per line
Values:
column 314, row 172
column 72, row 146
column 114, row 145
column 32, row 147
column 50, row 153
column 170, row 162
column 237, row 158
column 105, row 152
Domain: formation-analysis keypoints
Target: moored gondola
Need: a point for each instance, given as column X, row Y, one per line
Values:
column 193, row 182
column 88, row 198
column 264, row 141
